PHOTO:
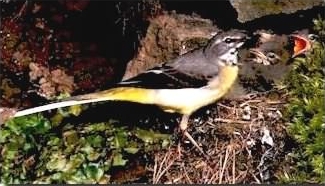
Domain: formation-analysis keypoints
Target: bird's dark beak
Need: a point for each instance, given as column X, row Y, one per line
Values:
column 241, row 42
column 247, row 42
column 301, row 44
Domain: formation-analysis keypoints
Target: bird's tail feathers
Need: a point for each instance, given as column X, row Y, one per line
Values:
column 138, row 95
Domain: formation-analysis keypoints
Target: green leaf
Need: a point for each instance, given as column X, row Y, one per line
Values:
column 98, row 127
column 75, row 110
column 94, row 172
column 53, row 141
column 131, row 150
column 87, row 149
column 319, row 165
column 74, row 162
column 90, row 152
column 150, row 136
column 71, row 138
column 57, row 162
column 3, row 135
column 77, row 177
column 118, row 160
column 57, row 176
column 165, row 143
column 28, row 146
column 11, row 154
column 95, row 140
column 120, row 138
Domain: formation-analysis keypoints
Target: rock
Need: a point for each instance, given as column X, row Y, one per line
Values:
column 251, row 9
column 6, row 114
column 168, row 36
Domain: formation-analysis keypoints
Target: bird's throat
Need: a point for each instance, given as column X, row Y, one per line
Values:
column 225, row 80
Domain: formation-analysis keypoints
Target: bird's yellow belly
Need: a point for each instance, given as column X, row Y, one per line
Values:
column 188, row 100
column 185, row 100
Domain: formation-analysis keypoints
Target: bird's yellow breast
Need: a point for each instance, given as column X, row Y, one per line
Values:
column 224, row 81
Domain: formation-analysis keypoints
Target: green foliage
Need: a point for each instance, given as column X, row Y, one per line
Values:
column 29, row 124
column 33, row 150
column 319, row 25
column 306, row 113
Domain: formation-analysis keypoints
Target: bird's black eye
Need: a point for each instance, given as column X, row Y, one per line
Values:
column 271, row 55
column 228, row 40
column 312, row 37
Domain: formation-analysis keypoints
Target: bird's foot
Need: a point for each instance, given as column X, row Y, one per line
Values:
column 193, row 142
column 179, row 151
column 183, row 126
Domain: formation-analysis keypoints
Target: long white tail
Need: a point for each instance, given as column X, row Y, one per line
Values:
column 138, row 95
column 54, row 106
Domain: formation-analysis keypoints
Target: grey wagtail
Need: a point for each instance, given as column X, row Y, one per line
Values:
column 183, row 85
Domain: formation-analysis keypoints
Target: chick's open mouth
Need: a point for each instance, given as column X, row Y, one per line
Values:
column 301, row 44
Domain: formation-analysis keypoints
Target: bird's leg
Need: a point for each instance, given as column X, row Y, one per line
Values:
column 184, row 122
column 183, row 127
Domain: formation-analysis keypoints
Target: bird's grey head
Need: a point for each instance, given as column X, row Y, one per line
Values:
column 223, row 47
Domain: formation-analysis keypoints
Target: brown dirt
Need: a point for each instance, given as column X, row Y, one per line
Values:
column 235, row 149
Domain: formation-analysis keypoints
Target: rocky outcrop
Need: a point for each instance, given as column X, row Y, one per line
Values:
column 168, row 36
column 251, row 9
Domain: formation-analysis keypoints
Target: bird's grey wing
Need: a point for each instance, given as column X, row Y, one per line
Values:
column 187, row 71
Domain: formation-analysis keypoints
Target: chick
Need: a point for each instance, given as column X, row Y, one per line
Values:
column 267, row 63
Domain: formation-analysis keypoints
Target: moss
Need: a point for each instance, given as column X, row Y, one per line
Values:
column 306, row 114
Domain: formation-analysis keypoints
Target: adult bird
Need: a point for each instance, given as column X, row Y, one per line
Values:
column 183, row 85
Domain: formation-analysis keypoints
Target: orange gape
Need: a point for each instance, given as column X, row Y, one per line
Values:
column 300, row 45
